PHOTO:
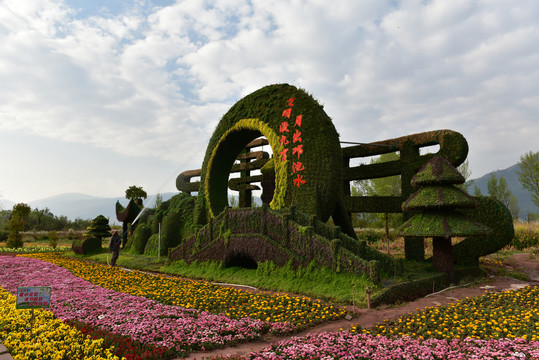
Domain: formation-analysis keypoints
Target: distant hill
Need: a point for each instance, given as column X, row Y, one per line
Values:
column 524, row 196
column 75, row 205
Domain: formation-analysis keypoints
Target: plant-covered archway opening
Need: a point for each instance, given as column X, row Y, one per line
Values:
column 240, row 259
column 252, row 177
column 232, row 146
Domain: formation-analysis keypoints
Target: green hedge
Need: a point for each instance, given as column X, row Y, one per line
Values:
column 171, row 231
column 139, row 238
column 152, row 245
column 86, row 246
column 497, row 218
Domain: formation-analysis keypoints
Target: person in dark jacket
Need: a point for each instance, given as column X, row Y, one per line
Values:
column 114, row 247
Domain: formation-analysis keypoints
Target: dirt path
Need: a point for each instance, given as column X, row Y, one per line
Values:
column 368, row 318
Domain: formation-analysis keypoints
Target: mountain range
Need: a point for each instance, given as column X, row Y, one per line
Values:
column 510, row 174
column 75, row 205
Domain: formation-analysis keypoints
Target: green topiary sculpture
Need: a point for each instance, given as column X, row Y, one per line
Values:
column 99, row 228
column 437, row 199
column 137, row 242
column 307, row 155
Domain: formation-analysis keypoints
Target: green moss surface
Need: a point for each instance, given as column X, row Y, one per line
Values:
column 446, row 224
column 261, row 113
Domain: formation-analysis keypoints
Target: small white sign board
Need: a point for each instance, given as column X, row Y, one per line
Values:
column 33, row 297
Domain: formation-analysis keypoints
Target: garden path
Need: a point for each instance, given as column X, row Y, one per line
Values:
column 523, row 262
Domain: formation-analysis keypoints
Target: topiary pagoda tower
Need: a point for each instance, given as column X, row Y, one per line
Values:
column 437, row 199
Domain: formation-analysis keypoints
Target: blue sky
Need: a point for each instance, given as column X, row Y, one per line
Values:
column 96, row 96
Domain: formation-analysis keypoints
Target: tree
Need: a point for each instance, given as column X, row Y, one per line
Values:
column 465, row 171
column 158, row 200
column 528, row 174
column 99, row 228
column 498, row 188
column 477, row 190
column 19, row 215
column 136, row 194
column 436, row 202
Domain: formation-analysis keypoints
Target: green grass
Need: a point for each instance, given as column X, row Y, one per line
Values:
column 311, row 281
column 127, row 260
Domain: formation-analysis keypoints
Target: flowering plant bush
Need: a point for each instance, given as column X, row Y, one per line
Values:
column 50, row 338
column 347, row 345
column 124, row 346
column 496, row 315
column 144, row 320
column 298, row 312
column 34, row 249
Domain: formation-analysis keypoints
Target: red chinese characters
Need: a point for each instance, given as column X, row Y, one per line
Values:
column 299, row 180
column 298, row 150
column 297, row 166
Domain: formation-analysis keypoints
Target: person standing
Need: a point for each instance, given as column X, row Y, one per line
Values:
column 114, row 247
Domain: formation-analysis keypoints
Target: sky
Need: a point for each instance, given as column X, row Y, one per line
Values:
column 96, row 96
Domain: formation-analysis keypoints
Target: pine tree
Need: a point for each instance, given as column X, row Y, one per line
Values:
column 437, row 198
column 99, row 228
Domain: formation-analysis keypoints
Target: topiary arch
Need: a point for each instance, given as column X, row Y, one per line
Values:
column 307, row 156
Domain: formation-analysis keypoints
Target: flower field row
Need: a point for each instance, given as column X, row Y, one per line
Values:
column 496, row 315
column 233, row 303
column 33, row 249
column 144, row 320
column 347, row 345
column 49, row 339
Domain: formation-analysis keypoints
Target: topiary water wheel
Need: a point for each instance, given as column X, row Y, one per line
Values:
column 307, row 155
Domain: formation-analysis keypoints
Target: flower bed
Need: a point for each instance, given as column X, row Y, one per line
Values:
column 347, row 345
column 34, row 249
column 142, row 319
column 507, row 314
column 202, row 295
column 49, row 339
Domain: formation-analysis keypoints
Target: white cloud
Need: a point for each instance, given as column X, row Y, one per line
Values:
column 161, row 77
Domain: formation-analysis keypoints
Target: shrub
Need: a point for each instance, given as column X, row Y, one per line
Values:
column 152, row 245
column 53, row 238
column 99, row 228
column 14, row 240
column 139, row 238
column 371, row 236
column 4, row 235
column 525, row 238
column 171, row 231
column 71, row 234
column 86, row 246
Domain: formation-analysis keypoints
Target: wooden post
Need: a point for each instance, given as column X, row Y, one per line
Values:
column 354, row 298
column 368, row 292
